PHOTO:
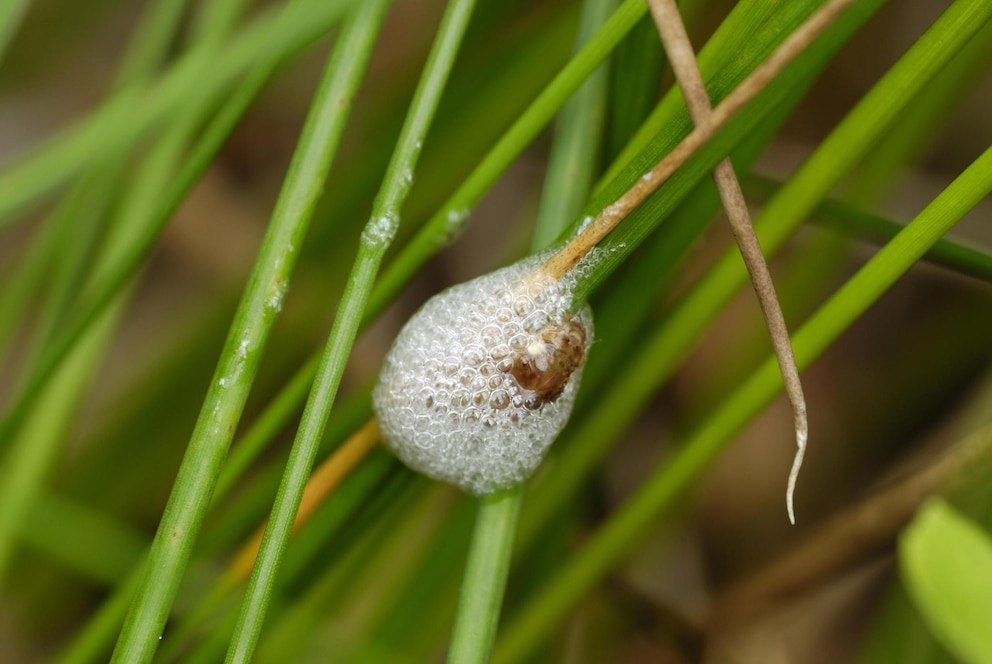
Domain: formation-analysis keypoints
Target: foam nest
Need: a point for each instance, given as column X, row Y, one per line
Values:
column 481, row 380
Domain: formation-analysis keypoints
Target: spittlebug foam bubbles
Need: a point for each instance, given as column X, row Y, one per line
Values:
column 483, row 377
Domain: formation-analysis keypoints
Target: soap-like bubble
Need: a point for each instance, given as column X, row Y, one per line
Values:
column 483, row 377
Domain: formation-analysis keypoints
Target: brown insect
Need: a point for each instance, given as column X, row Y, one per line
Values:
column 544, row 367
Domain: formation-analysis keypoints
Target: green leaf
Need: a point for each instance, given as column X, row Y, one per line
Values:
column 946, row 562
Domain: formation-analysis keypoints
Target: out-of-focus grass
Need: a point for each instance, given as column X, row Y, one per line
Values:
column 374, row 574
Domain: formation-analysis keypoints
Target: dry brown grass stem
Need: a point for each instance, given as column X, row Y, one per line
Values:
column 680, row 54
column 559, row 264
column 322, row 482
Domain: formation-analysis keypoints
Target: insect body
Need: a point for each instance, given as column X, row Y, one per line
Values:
column 546, row 364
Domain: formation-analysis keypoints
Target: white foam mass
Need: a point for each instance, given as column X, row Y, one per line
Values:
column 447, row 403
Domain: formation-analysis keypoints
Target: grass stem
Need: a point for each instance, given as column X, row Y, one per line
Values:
column 319, row 486
column 571, row 172
column 243, row 348
column 485, row 578
column 375, row 240
column 611, row 216
column 680, row 54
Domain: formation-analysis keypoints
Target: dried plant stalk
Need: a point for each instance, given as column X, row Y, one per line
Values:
column 680, row 54
column 707, row 124
column 322, row 482
column 559, row 264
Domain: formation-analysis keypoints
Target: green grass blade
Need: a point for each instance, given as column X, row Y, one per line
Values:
column 70, row 229
column 37, row 445
column 450, row 219
column 151, row 43
column 375, row 239
column 243, row 349
column 397, row 562
column 147, row 51
column 406, row 628
column 589, row 439
column 318, row 540
column 633, row 520
column 33, row 450
column 115, row 276
column 299, row 626
column 117, row 124
column 485, row 578
column 854, row 222
column 345, row 527
column 344, row 597
column 669, row 344
column 566, row 186
column 624, row 307
column 78, row 221
column 89, row 541
column 31, row 453
column 635, row 85
column 922, row 123
column 574, row 157
column 18, row 294
column 723, row 69
column 635, row 228
column 93, row 643
column 11, row 15
column 351, row 413
column 860, row 129
column 264, row 430
column 610, row 398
